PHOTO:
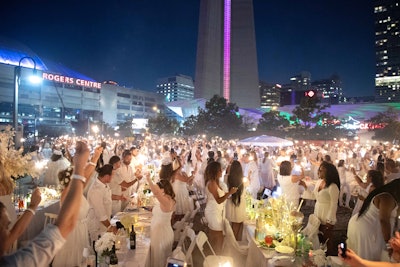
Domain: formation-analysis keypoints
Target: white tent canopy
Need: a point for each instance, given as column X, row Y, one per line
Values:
column 265, row 140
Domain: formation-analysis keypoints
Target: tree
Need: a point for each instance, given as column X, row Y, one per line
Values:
column 218, row 118
column 308, row 113
column 312, row 122
column 273, row 122
column 389, row 126
column 161, row 124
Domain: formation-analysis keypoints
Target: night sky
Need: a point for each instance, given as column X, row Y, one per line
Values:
column 135, row 42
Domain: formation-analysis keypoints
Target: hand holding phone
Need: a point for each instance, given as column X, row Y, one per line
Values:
column 343, row 247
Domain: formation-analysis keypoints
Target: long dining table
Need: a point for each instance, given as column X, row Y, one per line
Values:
column 141, row 219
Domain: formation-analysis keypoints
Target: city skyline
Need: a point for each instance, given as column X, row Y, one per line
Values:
column 135, row 44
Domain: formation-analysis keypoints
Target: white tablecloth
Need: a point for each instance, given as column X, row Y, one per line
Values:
column 262, row 257
column 139, row 257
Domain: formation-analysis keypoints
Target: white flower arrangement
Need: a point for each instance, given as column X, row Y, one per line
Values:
column 67, row 177
column 319, row 258
column 13, row 164
column 104, row 245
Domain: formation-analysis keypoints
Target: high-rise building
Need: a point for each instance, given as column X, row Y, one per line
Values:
column 226, row 52
column 270, row 95
column 176, row 88
column 387, row 50
column 329, row 90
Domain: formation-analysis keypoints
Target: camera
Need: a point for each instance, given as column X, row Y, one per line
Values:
column 235, row 156
column 343, row 247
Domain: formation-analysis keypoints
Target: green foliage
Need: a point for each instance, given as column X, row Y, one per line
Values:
column 218, row 118
column 161, row 124
column 273, row 123
column 392, row 129
column 308, row 113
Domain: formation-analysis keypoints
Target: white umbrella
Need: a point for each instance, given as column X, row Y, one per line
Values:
column 265, row 140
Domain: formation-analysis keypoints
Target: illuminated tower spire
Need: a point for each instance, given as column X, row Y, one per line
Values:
column 226, row 62
column 227, row 49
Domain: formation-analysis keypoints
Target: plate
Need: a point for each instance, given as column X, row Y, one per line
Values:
column 284, row 249
column 262, row 245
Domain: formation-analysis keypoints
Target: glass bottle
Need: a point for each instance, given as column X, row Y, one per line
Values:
column 132, row 238
column 113, row 257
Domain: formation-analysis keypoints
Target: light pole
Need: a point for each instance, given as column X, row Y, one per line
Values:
column 17, row 77
column 35, row 132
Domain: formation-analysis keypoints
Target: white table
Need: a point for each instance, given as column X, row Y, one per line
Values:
column 139, row 257
column 258, row 256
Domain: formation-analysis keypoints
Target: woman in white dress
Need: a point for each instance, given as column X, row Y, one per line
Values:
column 56, row 164
column 214, row 211
column 162, row 235
column 78, row 239
column 252, row 174
column 370, row 230
column 344, row 185
column 236, row 205
column 180, row 181
column 326, row 193
column 267, row 173
column 289, row 183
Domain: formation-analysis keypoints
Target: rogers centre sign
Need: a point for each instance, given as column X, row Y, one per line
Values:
column 70, row 80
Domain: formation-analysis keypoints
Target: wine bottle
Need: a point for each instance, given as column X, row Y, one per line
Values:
column 113, row 257
column 132, row 238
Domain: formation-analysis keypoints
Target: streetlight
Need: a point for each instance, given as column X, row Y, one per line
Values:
column 35, row 133
column 17, row 76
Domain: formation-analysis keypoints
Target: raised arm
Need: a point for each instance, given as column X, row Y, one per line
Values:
column 22, row 223
column 69, row 212
column 157, row 192
column 213, row 188
column 358, row 179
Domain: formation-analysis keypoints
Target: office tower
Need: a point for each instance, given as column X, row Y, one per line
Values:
column 175, row 88
column 226, row 52
column 270, row 95
column 387, row 50
column 329, row 90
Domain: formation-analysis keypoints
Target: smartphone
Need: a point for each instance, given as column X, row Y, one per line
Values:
column 343, row 247
column 235, row 156
column 171, row 262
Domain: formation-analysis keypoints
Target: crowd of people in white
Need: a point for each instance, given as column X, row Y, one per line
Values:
column 223, row 171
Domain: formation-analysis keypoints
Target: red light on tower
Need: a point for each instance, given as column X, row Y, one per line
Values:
column 309, row 93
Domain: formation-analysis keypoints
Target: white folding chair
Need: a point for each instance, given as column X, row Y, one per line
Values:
column 187, row 248
column 50, row 218
column 179, row 226
column 211, row 260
